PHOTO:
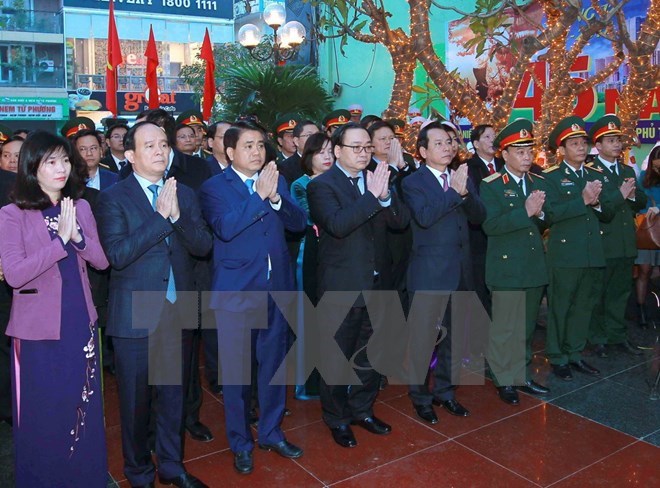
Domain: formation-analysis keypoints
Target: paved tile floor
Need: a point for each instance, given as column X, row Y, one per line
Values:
column 589, row 432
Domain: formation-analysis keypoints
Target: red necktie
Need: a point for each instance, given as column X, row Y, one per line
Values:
column 491, row 168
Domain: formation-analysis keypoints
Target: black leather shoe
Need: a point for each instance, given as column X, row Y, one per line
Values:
column 199, row 432
column 185, row 480
column 253, row 417
column 283, row 448
column 584, row 367
column 453, row 407
column 630, row 348
column 383, row 382
column 373, row 425
column 533, row 388
column 600, row 350
column 508, row 394
column 563, row 371
column 426, row 413
column 243, row 462
column 287, row 412
column 343, row 435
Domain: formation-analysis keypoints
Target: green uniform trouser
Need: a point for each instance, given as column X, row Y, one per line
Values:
column 511, row 333
column 572, row 296
column 608, row 325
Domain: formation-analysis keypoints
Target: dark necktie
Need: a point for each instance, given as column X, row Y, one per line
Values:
column 522, row 186
column 171, row 286
column 445, row 185
column 122, row 163
column 354, row 182
column 615, row 169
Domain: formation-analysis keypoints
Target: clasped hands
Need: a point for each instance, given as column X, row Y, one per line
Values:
column 67, row 225
column 266, row 184
column 627, row 188
column 167, row 203
column 534, row 203
column 378, row 181
column 591, row 193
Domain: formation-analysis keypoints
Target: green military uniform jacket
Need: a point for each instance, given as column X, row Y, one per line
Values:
column 619, row 234
column 515, row 257
column 575, row 240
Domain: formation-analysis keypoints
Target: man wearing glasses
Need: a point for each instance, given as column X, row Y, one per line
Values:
column 290, row 167
column 88, row 144
column 353, row 209
column 114, row 159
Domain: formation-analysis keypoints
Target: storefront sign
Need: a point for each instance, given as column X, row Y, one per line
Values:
column 221, row 9
column 131, row 103
column 14, row 108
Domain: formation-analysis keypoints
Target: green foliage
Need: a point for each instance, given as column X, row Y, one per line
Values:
column 268, row 91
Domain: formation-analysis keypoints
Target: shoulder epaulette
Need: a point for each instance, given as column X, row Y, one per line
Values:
column 593, row 168
column 492, row 177
column 551, row 169
column 535, row 175
column 103, row 165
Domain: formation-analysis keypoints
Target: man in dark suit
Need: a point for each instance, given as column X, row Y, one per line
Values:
column 248, row 208
column 217, row 160
column 88, row 144
column 480, row 166
column 149, row 231
column 441, row 203
column 114, row 159
column 290, row 168
column 353, row 209
column 7, row 179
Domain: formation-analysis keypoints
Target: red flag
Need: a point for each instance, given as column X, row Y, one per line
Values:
column 114, row 60
column 152, row 76
column 209, row 78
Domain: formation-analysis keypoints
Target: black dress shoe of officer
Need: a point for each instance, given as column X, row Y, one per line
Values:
column 584, row 367
column 630, row 348
column 533, row 388
column 373, row 425
column 243, row 462
column 453, row 407
column 284, row 448
column 600, row 350
column 508, row 394
column 253, row 417
column 199, row 432
column 563, row 371
column 343, row 435
column 426, row 413
column 184, row 480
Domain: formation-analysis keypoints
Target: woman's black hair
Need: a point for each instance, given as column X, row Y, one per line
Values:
column 38, row 146
column 652, row 177
column 313, row 146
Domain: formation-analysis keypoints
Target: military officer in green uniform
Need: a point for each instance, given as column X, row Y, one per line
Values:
column 515, row 260
column 608, row 325
column 283, row 133
column 576, row 259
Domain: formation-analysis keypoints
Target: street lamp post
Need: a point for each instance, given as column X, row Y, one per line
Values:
column 284, row 46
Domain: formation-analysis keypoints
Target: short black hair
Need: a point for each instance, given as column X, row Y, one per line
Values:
column 183, row 126
column 233, row 134
column 210, row 132
column 377, row 125
column 129, row 137
column 38, row 146
column 165, row 121
column 478, row 131
column 112, row 128
column 297, row 130
column 423, row 136
column 84, row 133
column 312, row 147
column 339, row 134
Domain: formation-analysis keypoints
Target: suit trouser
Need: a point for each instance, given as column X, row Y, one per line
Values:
column 572, row 296
column 342, row 404
column 5, row 370
column 443, row 388
column 608, row 324
column 511, row 333
column 242, row 346
column 135, row 397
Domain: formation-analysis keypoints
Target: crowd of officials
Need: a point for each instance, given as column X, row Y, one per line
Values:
column 175, row 206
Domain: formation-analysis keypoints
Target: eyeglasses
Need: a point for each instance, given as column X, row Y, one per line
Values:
column 359, row 149
column 91, row 149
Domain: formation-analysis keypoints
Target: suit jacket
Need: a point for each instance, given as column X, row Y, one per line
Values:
column 248, row 233
column 440, row 258
column 189, row 170
column 290, row 168
column 574, row 240
column 214, row 166
column 619, row 239
column 477, row 171
column 515, row 256
column 353, row 233
column 108, row 178
column 29, row 259
column 134, row 237
column 108, row 163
